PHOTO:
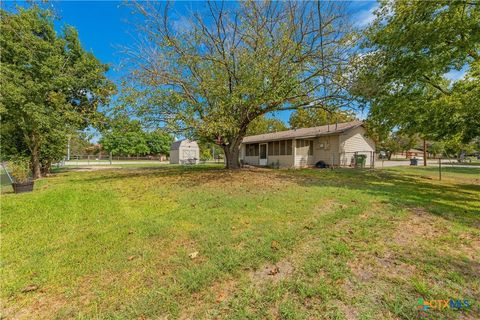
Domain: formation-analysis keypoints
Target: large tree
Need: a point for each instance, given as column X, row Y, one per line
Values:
column 51, row 86
column 408, row 52
column 216, row 70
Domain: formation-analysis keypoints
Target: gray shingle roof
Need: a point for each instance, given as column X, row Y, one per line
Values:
column 176, row 145
column 186, row 142
column 304, row 132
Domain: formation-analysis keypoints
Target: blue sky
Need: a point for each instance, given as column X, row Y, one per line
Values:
column 105, row 27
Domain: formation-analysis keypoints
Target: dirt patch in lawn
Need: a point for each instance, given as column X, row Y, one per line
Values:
column 420, row 225
column 349, row 312
column 43, row 304
column 470, row 246
column 240, row 180
column 272, row 272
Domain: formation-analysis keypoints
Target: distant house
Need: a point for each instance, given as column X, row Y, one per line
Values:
column 334, row 144
column 414, row 153
column 184, row 151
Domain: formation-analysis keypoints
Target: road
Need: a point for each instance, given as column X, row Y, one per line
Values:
column 430, row 163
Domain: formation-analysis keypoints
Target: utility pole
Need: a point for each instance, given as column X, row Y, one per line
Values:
column 424, row 153
column 68, row 148
column 440, row 168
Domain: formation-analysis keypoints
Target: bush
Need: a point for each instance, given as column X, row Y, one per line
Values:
column 20, row 168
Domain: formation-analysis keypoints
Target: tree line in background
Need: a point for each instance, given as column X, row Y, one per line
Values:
column 239, row 64
column 399, row 143
column 126, row 138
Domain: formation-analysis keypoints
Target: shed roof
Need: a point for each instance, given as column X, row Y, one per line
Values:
column 176, row 145
column 304, row 132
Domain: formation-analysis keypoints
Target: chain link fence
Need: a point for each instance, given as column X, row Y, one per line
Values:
column 357, row 159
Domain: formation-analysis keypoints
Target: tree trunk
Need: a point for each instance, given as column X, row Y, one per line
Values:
column 231, row 156
column 36, row 168
column 424, row 153
column 34, row 147
column 46, row 168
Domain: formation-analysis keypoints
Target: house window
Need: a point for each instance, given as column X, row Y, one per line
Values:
column 280, row 148
column 289, row 147
column 306, row 143
column 276, row 148
column 270, row 148
column 251, row 150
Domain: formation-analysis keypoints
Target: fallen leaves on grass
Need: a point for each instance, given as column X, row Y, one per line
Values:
column 275, row 245
column 273, row 271
column 193, row 255
column 30, row 288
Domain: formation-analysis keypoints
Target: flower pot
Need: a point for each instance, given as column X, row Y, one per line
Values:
column 22, row 187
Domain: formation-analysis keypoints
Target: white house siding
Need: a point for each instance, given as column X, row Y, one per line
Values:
column 302, row 158
column 329, row 152
column 355, row 141
column 285, row 161
column 253, row 160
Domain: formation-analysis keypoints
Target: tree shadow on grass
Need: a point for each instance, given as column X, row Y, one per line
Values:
column 455, row 202
column 147, row 172
column 191, row 176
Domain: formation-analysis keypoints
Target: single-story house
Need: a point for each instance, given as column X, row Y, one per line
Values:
column 414, row 153
column 184, row 151
column 334, row 144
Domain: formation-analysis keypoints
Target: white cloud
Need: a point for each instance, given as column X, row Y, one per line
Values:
column 365, row 17
column 182, row 24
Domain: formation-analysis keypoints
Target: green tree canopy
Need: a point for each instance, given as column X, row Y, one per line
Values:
column 126, row 137
column 50, row 86
column 397, row 142
column 410, row 48
column 265, row 125
column 158, row 142
column 305, row 118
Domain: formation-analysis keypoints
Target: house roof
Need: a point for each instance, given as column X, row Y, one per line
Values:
column 304, row 133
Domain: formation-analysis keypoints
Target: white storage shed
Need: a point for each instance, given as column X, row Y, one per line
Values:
column 184, row 152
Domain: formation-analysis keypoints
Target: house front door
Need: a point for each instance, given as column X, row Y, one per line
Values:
column 263, row 154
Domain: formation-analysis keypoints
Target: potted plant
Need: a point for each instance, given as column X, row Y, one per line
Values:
column 20, row 170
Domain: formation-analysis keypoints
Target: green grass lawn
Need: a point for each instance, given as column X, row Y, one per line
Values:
column 278, row 244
